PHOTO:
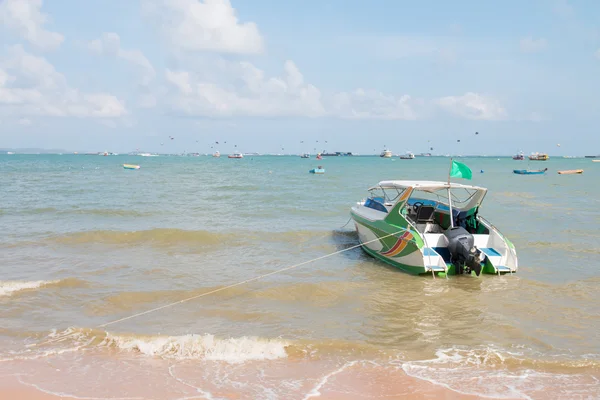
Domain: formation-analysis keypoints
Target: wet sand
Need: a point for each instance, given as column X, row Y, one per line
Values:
column 50, row 380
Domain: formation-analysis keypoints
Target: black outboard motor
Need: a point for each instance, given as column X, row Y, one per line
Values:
column 463, row 253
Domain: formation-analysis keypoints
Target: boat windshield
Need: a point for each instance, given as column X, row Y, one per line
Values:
column 463, row 199
column 388, row 196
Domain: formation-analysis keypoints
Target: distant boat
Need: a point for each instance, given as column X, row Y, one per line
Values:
column 592, row 156
column 424, row 155
column 538, row 157
column 147, row 155
column 519, row 156
column 407, row 156
column 336, row 154
column 595, row 160
column 305, row 155
column 530, row 172
column 319, row 156
column 236, row 155
column 386, row 153
column 216, row 154
column 131, row 166
column 571, row 172
column 318, row 170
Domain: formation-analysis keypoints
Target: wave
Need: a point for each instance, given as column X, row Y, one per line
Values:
column 205, row 347
column 158, row 236
column 8, row 288
column 184, row 347
column 499, row 373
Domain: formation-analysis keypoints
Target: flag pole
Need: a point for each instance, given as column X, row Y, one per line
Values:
column 450, row 196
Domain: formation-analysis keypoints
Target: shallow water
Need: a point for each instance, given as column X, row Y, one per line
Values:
column 86, row 243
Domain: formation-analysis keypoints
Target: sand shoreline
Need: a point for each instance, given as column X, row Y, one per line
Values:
column 347, row 383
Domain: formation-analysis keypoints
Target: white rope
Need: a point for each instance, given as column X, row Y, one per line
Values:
column 219, row 289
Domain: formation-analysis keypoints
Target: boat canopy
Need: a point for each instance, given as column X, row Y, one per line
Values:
column 427, row 186
column 463, row 197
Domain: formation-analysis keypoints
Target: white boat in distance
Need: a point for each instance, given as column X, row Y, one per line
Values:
column 386, row 153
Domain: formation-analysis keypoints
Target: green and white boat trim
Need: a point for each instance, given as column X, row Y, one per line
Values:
column 408, row 225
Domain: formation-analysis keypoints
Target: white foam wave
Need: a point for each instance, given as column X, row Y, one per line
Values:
column 206, row 347
column 7, row 288
column 494, row 373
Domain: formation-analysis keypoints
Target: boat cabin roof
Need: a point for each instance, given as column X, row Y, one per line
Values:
column 427, row 186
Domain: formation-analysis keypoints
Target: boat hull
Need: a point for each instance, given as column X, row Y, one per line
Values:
column 404, row 249
column 131, row 166
column 571, row 172
column 385, row 244
column 526, row 172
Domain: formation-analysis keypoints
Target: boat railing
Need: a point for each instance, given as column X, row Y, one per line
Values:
column 488, row 223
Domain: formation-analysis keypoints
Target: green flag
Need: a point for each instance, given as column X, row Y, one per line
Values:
column 460, row 170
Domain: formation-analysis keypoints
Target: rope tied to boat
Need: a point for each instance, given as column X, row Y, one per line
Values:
column 256, row 278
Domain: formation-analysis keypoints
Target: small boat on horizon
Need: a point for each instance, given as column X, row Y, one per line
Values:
column 407, row 156
column 305, row 155
column 519, row 156
column 216, row 154
column 386, row 153
column 400, row 224
column 530, row 172
column 236, row 155
column 539, row 157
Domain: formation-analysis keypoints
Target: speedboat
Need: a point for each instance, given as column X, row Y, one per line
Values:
column 216, row 154
column 519, row 156
column 407, row 156
column 429, row 227
column 318, row 170
column 386, row 154
column 305, row 155
column 236, row 155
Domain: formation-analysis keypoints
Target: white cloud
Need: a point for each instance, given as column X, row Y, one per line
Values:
column 109, row 45
column 24, row 17
column 370, row 104
column 249, row 92
column 473, row 106
column 210, row 25
column 30, row 86
column 531, row 45
column 255, row 95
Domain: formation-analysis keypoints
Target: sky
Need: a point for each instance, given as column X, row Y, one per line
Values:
column 301, row 76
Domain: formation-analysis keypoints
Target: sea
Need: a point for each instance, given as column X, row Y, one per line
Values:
column 217, row 278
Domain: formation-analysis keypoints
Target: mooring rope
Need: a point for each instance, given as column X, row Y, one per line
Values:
column 62, row 337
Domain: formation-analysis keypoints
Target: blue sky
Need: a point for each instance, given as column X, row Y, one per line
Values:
column 114, row 75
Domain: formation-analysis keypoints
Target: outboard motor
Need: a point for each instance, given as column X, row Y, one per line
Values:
column 463, row 253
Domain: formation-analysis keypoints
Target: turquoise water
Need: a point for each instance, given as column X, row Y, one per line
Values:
column 87, row 242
